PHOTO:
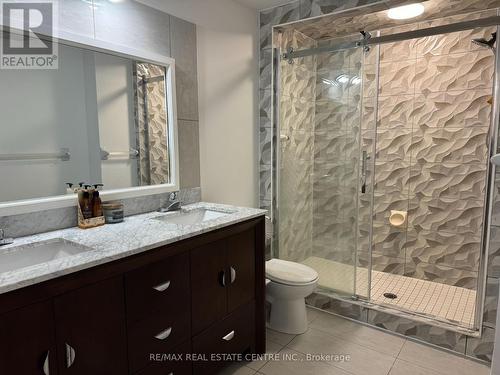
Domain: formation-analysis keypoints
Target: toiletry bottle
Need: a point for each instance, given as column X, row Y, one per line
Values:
column 69, row 188
column 88, row 188
column 86, row 205
column 80, row 196
column 96, row 203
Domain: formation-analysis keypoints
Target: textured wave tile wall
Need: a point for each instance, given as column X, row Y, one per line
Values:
column 296, row 151
column 336, row 152
column 431, row 157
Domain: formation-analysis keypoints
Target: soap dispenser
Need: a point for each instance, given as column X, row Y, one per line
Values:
column 86, row 205
column 96, row 201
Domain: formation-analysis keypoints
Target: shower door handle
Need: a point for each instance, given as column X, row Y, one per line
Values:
column 364, row 164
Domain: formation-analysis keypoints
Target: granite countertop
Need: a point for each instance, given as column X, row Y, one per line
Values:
column 110, row 242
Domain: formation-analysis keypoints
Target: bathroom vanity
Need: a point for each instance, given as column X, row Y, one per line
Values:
column 163, row 292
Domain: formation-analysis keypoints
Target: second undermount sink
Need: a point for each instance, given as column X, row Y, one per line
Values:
column 27, row 255
column 192, row 217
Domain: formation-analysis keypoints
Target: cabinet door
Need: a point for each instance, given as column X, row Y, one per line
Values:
column 208, row 291
column 90, row 331
column 158, row 305
column 241, row 264
column 27, row 344
column 233, row 335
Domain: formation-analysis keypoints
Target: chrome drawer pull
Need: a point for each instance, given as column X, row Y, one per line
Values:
column 229, row 336
column 162, row 287
column 164, row 334
column 46, row 367
column 70, row 356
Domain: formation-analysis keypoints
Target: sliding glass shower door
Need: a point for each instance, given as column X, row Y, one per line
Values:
column 325, row 165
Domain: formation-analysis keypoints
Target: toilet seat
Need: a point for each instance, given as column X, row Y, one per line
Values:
column 290, row 273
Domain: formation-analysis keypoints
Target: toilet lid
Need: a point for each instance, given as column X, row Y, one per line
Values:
column 291, row 273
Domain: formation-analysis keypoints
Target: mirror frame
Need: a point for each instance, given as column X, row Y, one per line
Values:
column 60, row 201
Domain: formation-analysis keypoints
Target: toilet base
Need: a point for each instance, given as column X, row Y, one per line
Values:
column 288, row 316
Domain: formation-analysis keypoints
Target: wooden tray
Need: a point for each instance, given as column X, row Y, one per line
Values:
column 89, row 223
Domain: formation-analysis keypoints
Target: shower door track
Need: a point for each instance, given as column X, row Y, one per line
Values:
column 436, row 30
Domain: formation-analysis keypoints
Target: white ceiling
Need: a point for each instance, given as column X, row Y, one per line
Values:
column 262, row 4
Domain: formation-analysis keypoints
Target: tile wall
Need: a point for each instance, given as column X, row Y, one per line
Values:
column 336, row 155
column 298, row 90
column 431, row 154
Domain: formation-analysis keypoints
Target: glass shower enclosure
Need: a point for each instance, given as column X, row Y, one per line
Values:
column 325, row 188
column 382, row 163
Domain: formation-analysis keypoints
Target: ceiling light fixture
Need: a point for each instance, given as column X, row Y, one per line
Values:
column 356, row 80
column 406, row 11
column 342, row 79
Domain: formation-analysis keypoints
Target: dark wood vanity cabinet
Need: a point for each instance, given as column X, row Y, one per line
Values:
column 208, row 294
column 89, row 337
column 158, row 309
column 222, row 278
column 90, row 330
column 241, row 268
column 27, row 340
column 223, row 299
column 148, row 314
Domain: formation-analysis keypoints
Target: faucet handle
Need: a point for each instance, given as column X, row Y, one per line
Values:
column 3, row 240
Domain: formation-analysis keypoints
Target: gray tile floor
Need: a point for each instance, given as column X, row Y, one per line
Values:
column 371, row 351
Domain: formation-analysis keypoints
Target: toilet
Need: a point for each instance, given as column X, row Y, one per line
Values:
column 287, row 285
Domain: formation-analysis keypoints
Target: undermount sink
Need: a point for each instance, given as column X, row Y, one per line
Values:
column 191, row 217
column 22, row 256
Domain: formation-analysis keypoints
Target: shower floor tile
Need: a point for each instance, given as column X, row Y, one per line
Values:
column 440, row 301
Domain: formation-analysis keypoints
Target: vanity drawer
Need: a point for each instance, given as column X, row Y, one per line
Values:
column 159, row 333
column 158, row 287
column 233, row 335
column 169, row 366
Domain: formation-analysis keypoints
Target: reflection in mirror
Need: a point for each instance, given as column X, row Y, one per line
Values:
column 152, row 135
column 99, row 118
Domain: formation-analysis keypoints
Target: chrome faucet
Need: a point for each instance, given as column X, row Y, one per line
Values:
column 173, row 204
column 3, row 240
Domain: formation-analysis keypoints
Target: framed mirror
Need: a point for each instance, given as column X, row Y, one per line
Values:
column 105, row 116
